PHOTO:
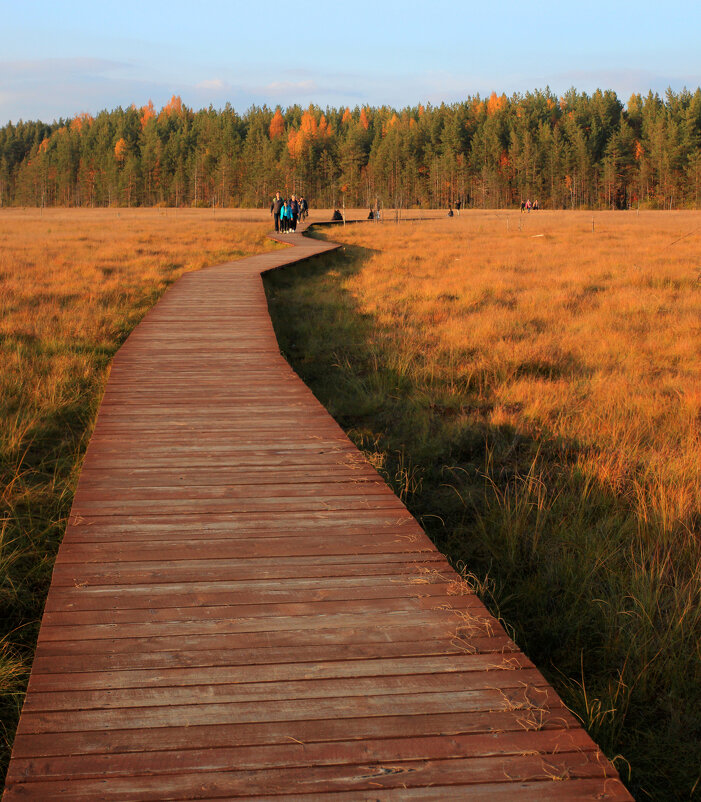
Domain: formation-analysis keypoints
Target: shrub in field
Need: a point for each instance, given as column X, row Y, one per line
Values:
column 529, row 385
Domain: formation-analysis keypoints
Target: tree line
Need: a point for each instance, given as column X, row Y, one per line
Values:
column 573, row 151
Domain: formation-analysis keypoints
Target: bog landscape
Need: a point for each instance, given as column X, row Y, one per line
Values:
column 526, row 382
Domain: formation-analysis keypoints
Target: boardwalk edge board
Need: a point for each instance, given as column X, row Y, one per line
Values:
column 241, row 608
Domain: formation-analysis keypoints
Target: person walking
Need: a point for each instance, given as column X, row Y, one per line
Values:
column 294, row 213
column 275, row 208
column 284, row 217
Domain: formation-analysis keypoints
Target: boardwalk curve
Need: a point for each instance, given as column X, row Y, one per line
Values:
column 241, row 608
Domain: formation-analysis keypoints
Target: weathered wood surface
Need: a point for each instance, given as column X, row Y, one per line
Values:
column 241, row 608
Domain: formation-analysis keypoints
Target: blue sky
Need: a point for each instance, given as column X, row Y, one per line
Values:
column 62, row 58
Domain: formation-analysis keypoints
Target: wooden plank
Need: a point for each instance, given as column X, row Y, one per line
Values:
column 241, row 608
column 376, row 517
column 183, row 659
column 360, row 778
column 145, row 596
column 282, row 634
column 236, row 691
column 261, row 548
column 275, row 672
column 310, row 754
column 213, row 570
column 531, row 700
column 574, row 790
column 285, row 732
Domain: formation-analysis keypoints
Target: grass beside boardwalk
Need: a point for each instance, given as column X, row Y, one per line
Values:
column 72, row 286
column 530, row 389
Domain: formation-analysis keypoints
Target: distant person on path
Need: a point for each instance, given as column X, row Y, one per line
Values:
column 275, row 208
column 458, row 206
column 536, row 206
column 371, row 216
column 303, row 208
column 336, row 215
column 523, row 205
column 294, row 213
column 528, row 205
column 450, row 211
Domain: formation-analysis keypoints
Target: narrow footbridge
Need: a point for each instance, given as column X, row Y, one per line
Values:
column 241, row 608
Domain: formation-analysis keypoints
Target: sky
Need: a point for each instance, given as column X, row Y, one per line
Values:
column 65, row 57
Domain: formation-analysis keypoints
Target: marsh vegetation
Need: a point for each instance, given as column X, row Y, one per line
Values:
column 529, row 385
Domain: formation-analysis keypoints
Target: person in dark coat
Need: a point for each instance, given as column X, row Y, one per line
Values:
column 294, row 213
column 275, row 209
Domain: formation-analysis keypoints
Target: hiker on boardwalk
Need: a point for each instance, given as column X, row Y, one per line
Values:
column 294, row 213
column 275, row 208
column 303, row 208
column 284, row 218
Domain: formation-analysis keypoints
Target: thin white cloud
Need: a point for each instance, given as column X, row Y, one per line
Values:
column 213, row 83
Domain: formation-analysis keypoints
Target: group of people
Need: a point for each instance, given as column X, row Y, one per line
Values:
column 287, row 213
column 526, row 206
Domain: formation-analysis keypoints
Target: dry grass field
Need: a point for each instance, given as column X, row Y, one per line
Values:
column 531, row 386
column 72, row 285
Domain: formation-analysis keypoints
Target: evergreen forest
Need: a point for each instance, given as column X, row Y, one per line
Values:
column 575, row 151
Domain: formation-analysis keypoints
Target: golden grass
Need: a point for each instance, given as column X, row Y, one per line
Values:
column 591, row 337
column 73, row 283
column 531, row 389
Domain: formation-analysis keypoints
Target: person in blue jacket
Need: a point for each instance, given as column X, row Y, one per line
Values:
column 284, row 218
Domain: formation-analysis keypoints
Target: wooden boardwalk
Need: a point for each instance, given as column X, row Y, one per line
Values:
column 241, row 608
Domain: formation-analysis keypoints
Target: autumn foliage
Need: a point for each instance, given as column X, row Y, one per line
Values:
column 277, row 125
column 496, row 103
column 147, row 113
column 571, row 151
column 309, row 132
column 120, row 149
